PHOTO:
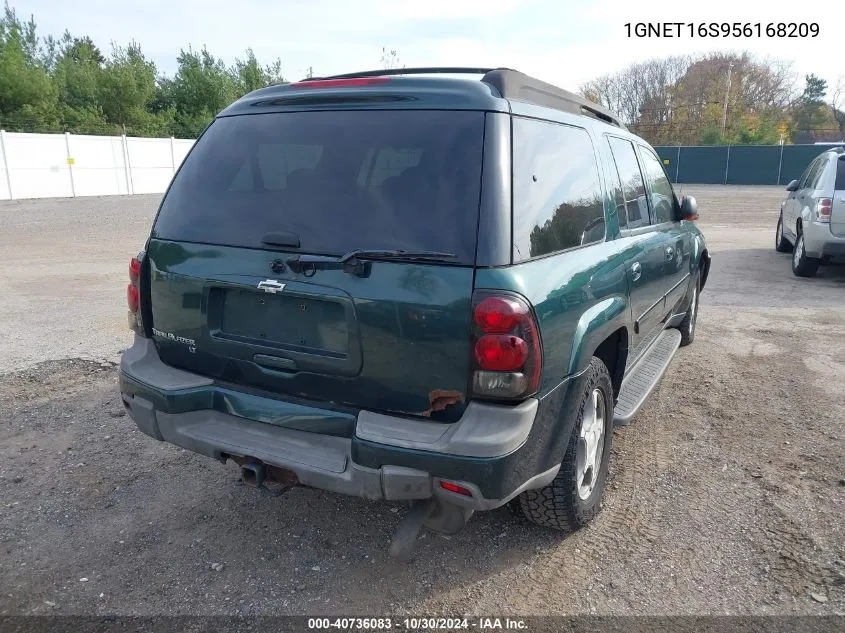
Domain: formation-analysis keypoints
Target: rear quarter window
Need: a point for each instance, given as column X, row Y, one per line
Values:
column 815, row 180
column 840, row 174
column 809, row 174
column 558, row 201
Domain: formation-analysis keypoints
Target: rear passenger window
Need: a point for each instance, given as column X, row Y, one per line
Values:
column 808, row 175
column 816, row 176
column 558, row 202
column 634, row 212
column 663, row 202
column 840, row 175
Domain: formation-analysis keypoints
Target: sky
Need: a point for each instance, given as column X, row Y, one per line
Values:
column 565, row 43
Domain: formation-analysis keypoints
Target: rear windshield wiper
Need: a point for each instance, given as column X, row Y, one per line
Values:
column 353, row 261
column 372, row 253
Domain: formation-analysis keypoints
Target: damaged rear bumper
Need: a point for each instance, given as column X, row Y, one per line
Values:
column 405, row 459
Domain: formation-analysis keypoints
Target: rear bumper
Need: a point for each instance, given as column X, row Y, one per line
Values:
column 834, row 250
column 496, row 452
column 819, row 241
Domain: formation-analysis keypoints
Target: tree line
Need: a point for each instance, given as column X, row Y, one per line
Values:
column 68, row 84
column 722, row 98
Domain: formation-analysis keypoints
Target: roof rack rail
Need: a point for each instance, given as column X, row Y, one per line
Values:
column 432, row 70
column 510, row 84
column 513, row 84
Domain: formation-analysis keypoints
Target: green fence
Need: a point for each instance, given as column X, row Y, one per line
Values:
column 737, row 164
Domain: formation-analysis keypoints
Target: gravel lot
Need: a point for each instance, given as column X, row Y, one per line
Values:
column 726, row 495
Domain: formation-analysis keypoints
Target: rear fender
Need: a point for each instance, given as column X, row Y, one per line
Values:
column 705, row 268
column 700, row 259
column 594, row 326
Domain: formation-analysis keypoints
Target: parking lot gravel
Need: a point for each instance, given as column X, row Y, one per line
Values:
column 726, row 494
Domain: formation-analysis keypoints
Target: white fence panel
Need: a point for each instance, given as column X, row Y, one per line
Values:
column 38, row 166
column 4, row 176
column 64, row 165
column 98, row 165
column 151, row 164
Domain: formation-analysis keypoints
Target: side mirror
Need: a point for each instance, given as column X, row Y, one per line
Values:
column 689, row 208
column 793, row 186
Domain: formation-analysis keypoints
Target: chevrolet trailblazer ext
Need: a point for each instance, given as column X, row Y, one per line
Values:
column 405, row 286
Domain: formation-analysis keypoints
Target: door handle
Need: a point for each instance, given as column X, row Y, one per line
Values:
column 636, row 271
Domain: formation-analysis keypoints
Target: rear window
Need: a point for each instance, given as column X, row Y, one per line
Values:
column 840, row 174
column 339, row 180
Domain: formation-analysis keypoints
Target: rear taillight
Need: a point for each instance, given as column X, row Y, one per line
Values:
column 506, row 347
column 133, row 292
column 823, row 209
column 133, row 295
column 501, row 352
column 134, row 270
column 133, row 298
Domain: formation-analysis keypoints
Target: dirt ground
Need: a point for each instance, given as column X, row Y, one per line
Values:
column 726, row 494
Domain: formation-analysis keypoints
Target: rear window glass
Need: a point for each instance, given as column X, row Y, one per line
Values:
column 634, row 212
column 339, row 180
column 558, row 201
column 840, row 174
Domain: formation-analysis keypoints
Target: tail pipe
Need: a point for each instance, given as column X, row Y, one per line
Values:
column 253, row 474
column 265, row 477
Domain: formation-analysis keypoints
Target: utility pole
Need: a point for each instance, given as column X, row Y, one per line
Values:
column 310, row 72
column 727, row 94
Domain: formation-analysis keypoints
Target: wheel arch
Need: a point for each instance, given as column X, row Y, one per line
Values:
column 602, row 331
column 704, row 267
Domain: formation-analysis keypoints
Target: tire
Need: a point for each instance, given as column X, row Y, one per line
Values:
column 782, row 245
column 564, row 504
column 803, row 266
column 687, row 326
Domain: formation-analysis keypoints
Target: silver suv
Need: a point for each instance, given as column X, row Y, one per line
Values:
column 812, row 218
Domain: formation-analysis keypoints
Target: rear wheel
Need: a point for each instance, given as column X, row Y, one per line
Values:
column 802, row 265
column 782, row 244
column 573, row 498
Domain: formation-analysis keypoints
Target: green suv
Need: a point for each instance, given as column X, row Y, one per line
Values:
column 412, row 286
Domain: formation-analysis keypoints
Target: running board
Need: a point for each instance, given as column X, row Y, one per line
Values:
column 644, row 376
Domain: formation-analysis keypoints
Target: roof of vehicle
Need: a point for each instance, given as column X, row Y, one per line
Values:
column 422, row 87
column 833, row 152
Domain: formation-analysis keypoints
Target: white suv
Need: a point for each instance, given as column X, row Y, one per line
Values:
column 812, row 218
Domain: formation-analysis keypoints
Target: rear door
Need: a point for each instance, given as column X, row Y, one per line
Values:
column 837, row 214
column 806, row 189
column 666, row 214
column 644, row 244
column 230, row 299
column 791, row 210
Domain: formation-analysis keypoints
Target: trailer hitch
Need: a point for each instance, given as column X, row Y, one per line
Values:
column 269, row 480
